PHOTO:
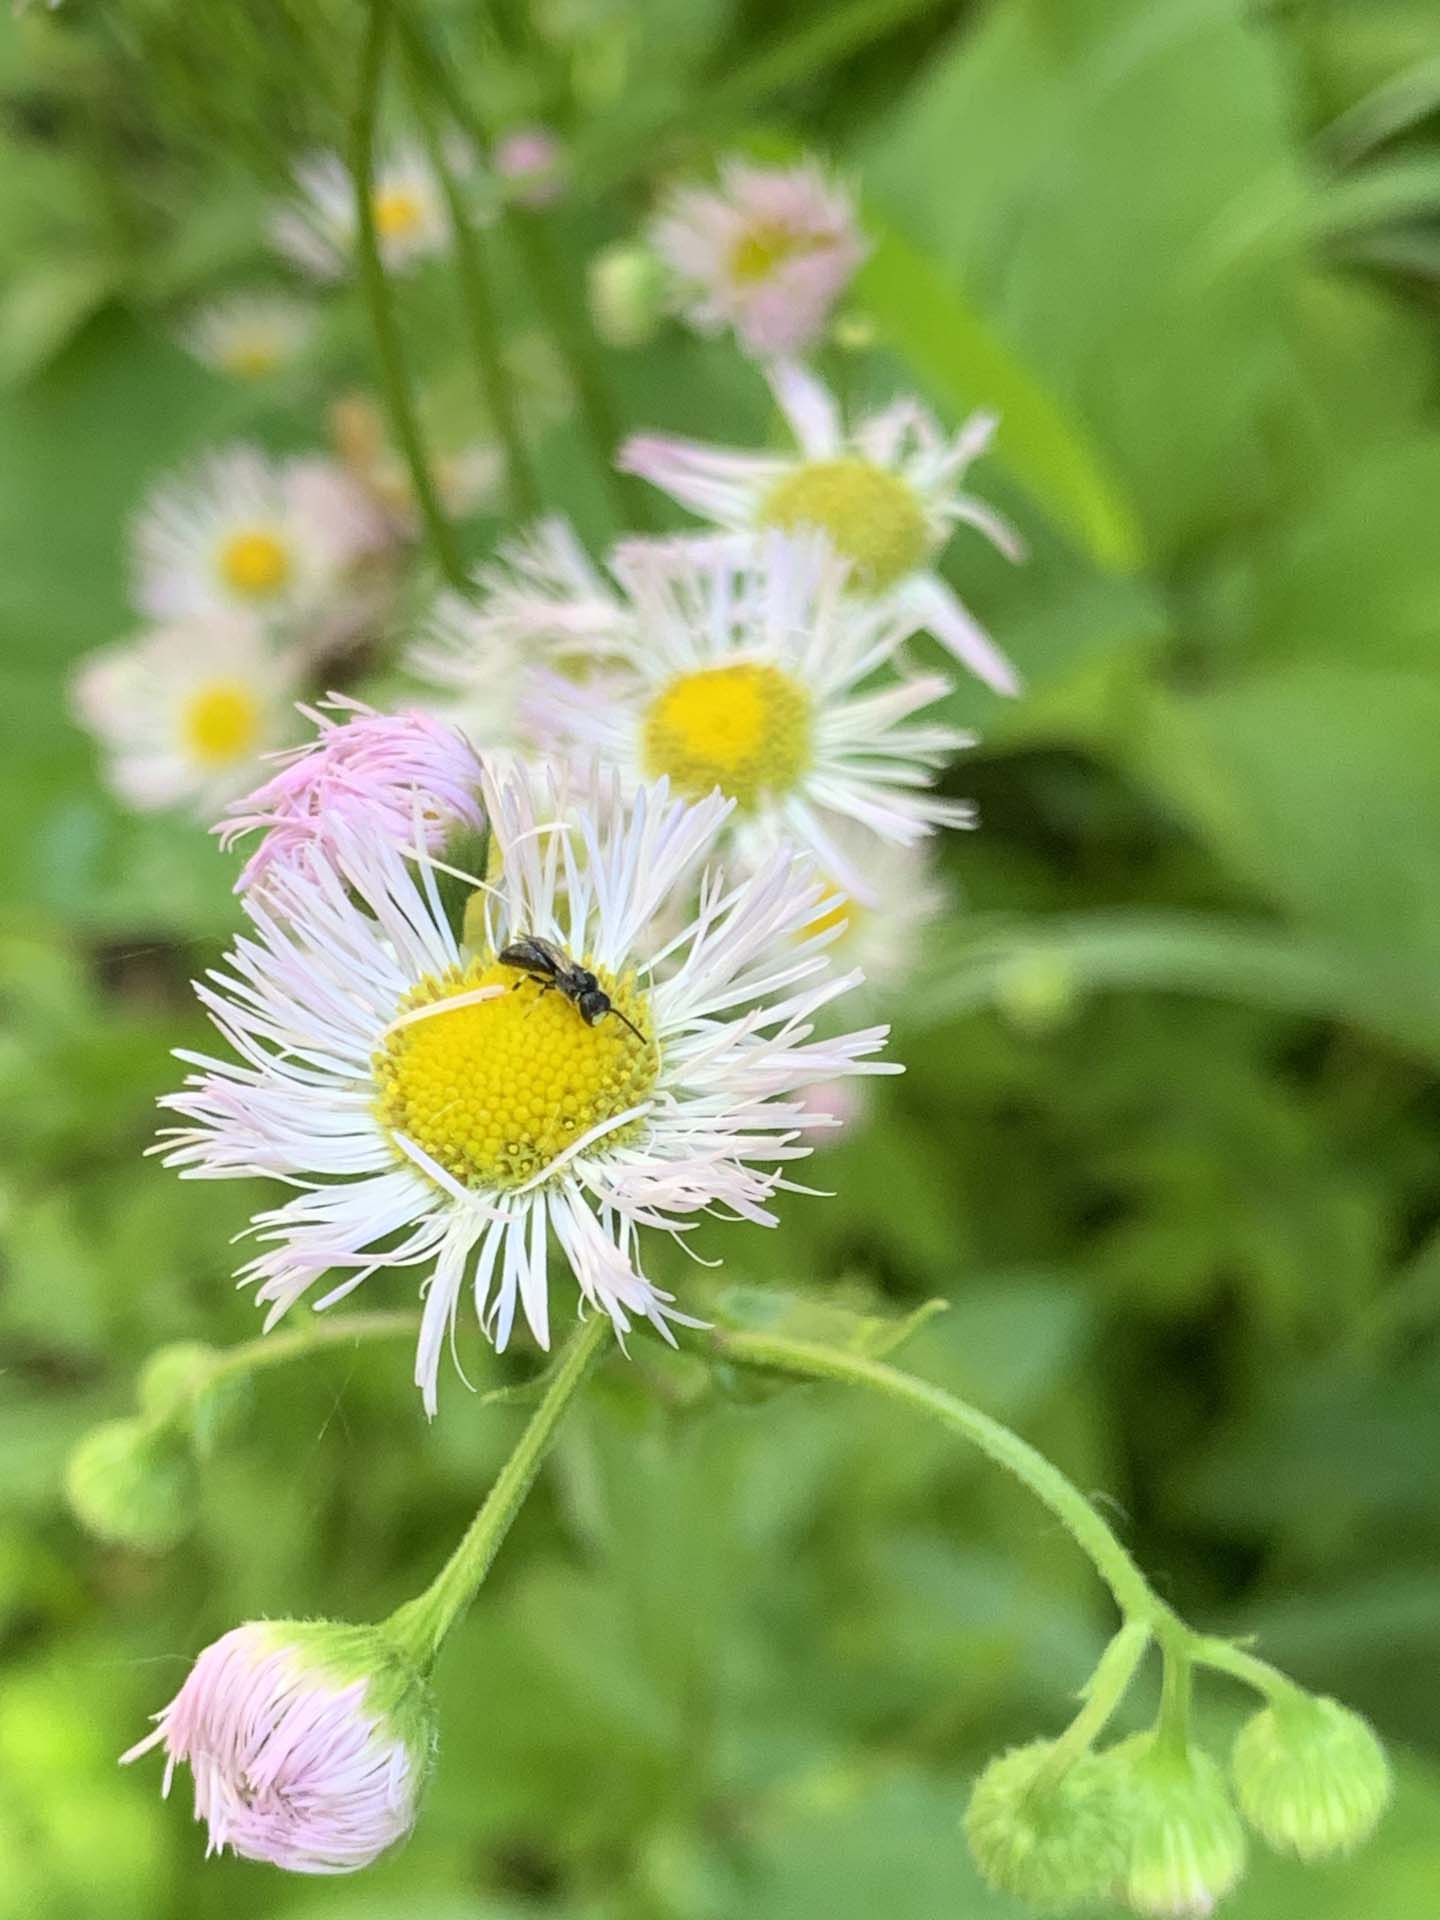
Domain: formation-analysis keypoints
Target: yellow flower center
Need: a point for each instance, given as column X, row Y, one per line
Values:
column 873, row 517
column 251, row 359
column 836, row 909
column 764, row 247
column 398, row 213
column 744, row 729
column 254, row 563
column 496, row 1090
column 221, row 723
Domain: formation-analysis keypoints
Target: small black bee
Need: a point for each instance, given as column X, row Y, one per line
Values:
column 545, row 961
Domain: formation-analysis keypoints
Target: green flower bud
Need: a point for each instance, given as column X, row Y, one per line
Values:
column 1184, row 1846
column 1037, row 992
column 133, row 1483
column 626, row 285
column 172, row 1376
column 1051, row 1843
column 1310, row 1776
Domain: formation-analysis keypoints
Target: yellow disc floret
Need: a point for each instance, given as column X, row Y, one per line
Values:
column 874, row 518
column 836, row 909
column 764, row 247
column 398, row 213
column 255, row 563
column 495, row 1090
column 221, row 722
column 744, row 729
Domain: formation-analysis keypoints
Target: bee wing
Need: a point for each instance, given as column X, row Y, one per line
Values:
column 535, row 955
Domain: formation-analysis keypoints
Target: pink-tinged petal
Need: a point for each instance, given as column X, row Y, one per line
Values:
column 943, row 614
column 810, row 408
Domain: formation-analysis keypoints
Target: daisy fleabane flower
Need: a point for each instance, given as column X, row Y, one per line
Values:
column 185, row 712
column 768, row 252
column 241, row 532
column 530, row 163
column 888, row 493
column 366, row 773
column 749, row 667
column 309, row 1742
column 439, row 1107
column 317, row 229
column 542, row 600
column 249, row 335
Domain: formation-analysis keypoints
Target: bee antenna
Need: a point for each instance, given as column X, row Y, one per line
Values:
column 632, row 1026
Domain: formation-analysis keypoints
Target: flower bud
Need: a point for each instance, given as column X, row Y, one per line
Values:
column 1310, row 1776
column 309, row 1741
column 133, row 1483
column 626, row 284
column 1051, row 1843
column 173, row 1376
column 1184, row 1846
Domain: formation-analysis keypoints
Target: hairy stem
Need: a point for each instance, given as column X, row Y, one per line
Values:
column 422, row 1623
column 343, row 1330
column 1132, row 1591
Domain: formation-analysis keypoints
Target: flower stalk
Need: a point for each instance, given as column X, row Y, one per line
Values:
column 395, row 376
column 421, row 1624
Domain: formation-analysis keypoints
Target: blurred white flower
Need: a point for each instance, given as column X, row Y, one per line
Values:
column 746, row 666
column 440, row 1108
column 249, row 335
column 542, row 601
column 316, row 230
column 184, row 712
column 240, row 532
column 888, row 493
column 768, row 253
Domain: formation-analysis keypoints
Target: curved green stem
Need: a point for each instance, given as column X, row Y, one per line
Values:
column 1225, row 1657
column 1133, row 1593
column 274, row 1349
column 421, row 1625
column 394, row 375
column 479, row 305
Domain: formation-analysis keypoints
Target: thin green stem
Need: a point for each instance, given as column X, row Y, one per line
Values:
column 561, row 310
column 1133, row 1594
column 476, row 299
column 1104, row 1691
column 422, row 1623
column 344, row 1330
column 395, row 377
column 1225, row 1657
column 1172, row 1729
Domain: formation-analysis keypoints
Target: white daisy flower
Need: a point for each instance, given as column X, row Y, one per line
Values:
column 185, row 712
column 752, row 669
column 243, row 533
column 888, row 494
column 543, row 600
column 249, row 335
column 445, row 1109
column 768, row 253
column 317, row 230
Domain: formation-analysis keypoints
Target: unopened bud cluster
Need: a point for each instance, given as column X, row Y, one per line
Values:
column 1153, row 1824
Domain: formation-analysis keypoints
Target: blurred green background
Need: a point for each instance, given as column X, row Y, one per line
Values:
column 1169, row 1139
